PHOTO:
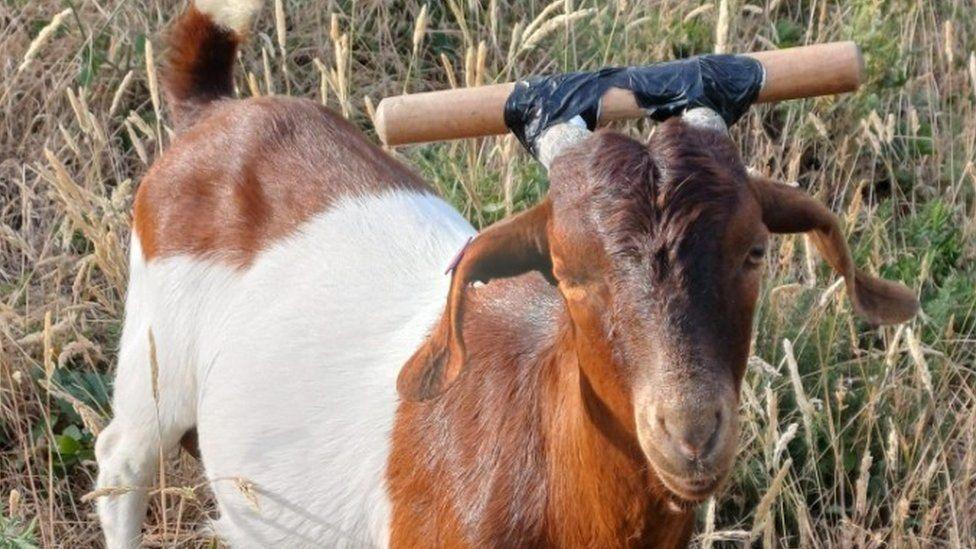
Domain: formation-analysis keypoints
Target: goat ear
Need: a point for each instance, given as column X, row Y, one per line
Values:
column 787, row 209
column 509, row 248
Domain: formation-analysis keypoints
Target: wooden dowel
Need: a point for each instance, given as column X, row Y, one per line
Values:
column 792, row 73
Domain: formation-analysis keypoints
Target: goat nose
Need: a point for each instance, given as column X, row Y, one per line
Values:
column 691, row 432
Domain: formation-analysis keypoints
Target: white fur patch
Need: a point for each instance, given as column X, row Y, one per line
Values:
column 232, row 14
column 167, row 303
column 293, row 365
column 703, row 117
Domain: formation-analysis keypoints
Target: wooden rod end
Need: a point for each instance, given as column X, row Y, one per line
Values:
column 380, row 122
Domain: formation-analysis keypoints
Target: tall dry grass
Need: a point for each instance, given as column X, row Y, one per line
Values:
column 852, row 437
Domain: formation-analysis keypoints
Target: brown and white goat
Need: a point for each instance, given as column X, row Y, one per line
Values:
column 287, row 277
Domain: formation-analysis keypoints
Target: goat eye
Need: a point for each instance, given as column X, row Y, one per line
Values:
column 757, row 254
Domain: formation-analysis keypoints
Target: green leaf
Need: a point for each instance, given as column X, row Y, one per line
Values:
column 67, row 446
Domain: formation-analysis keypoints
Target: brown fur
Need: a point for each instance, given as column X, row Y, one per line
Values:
column 536, row 444
column 251, row 172
column 543, row 420
column 247, row 173
column 200, row 66
column 519, row 452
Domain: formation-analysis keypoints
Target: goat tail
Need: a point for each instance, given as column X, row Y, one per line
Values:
column 203, row 46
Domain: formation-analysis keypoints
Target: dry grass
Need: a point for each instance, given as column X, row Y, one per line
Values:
column 853, row 437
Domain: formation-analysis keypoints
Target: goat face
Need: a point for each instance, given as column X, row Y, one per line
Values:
column 657, row 251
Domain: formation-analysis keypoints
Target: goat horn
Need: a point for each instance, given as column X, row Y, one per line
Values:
column 705, row 118
column 560, row 137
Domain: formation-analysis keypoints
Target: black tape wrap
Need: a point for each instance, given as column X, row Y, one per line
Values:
column 727, row 84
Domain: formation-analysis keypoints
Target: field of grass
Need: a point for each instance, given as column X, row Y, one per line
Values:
column 851, row 436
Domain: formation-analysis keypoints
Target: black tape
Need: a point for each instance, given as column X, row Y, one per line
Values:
column 727, row 84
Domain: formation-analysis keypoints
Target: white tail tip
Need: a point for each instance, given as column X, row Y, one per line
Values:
column 235, row 15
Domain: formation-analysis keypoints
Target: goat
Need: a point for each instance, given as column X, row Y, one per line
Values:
column 287, row 277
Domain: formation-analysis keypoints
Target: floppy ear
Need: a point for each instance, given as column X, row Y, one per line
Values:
column 508, row 248
column 787, row 209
